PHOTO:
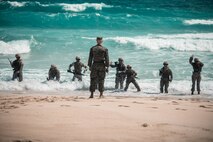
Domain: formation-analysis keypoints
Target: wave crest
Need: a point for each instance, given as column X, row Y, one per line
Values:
column 16, row 46
column 17, row 4
column 83, row 7
column 198, row 22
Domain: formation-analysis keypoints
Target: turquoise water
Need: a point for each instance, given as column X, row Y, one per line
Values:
column 144, row 33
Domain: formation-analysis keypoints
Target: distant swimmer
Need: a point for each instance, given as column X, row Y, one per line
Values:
column 17, row 66
column 196, row 75
column 131, row 75
column 166, row 77
column 98, row 64
column 120, row 72
column 53, row 73
column 77, row 72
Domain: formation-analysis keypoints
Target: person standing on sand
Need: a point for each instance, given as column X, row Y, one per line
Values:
column 53, row 73
column 166, row 77
column 120, row 72
column 98, row 65
column 197, row 67
column 17, row 66
column 131, row 75
column 77, row 69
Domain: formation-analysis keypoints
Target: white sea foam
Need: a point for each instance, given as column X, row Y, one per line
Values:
column 181, row 42
column 83, row 6
column 16, row 4
column 16, row 46
column 198, row 22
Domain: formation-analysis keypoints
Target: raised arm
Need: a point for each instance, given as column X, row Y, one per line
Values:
column 190, row 59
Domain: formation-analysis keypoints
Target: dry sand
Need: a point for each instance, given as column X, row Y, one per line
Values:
column 63, row 118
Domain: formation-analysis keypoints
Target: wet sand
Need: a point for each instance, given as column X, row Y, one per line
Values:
column 36, row 117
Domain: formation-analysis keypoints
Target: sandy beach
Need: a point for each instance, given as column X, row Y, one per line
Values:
column 46, row 118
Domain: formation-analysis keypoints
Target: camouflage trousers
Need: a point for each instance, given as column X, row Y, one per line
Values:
column 79, row 77
column 97, row 77
column 132, row 80
column 17, row 74
column 196, row 77
column 119, row 80
column 164, row 82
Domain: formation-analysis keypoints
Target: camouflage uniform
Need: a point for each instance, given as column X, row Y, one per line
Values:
column 98, row 61
column 17, row 69
column 131, row 74
column 77, row 70
column 166, row 76
column 120, row 74
column 54, row 72
column 197, row 67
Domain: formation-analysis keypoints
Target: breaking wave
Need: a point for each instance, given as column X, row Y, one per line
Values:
column 83, row 7
column 198, row 22
column 180, row 42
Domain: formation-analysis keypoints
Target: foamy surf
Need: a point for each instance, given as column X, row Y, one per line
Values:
column 179, row 42
column 16, row 46
column 83, row 6
column 198, row 22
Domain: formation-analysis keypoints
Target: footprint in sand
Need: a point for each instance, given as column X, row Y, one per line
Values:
column 175, row 103
column 95, row 105
column 181, row 109
column 137, row 102
column 204, row 106
column 122, row 106
column 22, row 141
column 65, row 105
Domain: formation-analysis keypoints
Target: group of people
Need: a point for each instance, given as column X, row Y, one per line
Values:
column 98, row 64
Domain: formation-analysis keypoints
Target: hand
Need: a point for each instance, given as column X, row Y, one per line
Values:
column 170, row 80
column 107, row 70
column 110, row 63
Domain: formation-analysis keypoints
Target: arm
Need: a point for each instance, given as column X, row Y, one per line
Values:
column 190, row 60
column 171, row 75
column 113, row 66
column 71, row 66
column 22, row 65
column 90, row 58
column 160, row 71
column 107, row 58
column 58, row 75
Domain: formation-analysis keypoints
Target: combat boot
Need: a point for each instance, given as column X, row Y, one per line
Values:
column 198, row 92
column 101, row 95
column 192, row 93
column 91, row 96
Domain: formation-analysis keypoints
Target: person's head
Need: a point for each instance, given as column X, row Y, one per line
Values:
column 17, row 56
column 53, row 66
column 128, row 67
column 77, row 58
column 120, row 60
column 99, row 40
column 165, row 63
column 196, row 60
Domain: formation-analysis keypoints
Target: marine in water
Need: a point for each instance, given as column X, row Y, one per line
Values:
column 196, row 75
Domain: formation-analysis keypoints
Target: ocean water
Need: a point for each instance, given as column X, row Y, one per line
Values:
column 143, row 32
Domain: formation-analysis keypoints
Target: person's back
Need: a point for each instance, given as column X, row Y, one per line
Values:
column 54, row 73
column 165, row 72
column 78, row 67
column 98, row 64
column 17, row 66
column 120, row 73
column 196, row 76
column 131, row 74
